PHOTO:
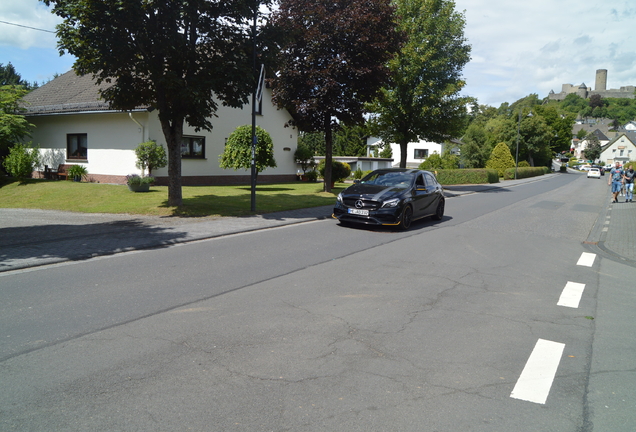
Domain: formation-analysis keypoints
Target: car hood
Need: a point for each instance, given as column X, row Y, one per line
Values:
column 373, row 192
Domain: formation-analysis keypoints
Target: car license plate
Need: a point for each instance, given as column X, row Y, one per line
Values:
column 359, row 212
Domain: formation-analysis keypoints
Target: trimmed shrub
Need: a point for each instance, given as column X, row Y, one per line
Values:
column 467, row 176
column 339, row 170
column 524, row 172
column 500, row 159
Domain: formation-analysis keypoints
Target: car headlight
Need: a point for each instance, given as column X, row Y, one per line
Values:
column 391, row 203
column 340, row 198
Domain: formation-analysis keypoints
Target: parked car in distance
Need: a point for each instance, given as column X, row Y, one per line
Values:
column 391, row 197
column 600, row 168
column 594, row 173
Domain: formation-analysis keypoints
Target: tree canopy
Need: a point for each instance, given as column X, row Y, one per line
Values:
column 171, row 55
column 13, row 125
column 422, row 100
column 332, row 61
column 9, row 76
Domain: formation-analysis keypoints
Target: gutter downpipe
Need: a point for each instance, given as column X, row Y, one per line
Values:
column 143, row 129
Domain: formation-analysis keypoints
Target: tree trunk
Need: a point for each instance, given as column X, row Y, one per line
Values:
column 403, row 149
column 328, row 152
column 173, row 132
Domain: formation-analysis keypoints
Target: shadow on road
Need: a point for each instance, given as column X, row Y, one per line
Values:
column 82, row 241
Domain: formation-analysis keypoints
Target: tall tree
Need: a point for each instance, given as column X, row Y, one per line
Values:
column 422, row 101
column 593, row 150
column 350, row 141
column 332, row 62
column 172, row 55
column 9, row 76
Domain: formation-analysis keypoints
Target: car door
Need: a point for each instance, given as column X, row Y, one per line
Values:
column 423, row 196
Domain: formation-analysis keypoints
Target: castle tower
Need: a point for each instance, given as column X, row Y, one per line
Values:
column 601, row 80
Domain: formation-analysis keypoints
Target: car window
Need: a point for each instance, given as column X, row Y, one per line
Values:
column 420, row 180
column 389, row 178
column 430, row 180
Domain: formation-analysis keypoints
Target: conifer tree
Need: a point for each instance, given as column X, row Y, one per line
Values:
column 500, row 159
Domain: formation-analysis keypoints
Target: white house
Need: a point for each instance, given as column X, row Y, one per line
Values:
column 73, row 126
column 577, row 147
column 418, row 152
column 621, row 149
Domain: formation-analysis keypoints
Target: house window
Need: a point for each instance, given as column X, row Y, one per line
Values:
column 193, row 147
column 77, row 146
column 421, row 153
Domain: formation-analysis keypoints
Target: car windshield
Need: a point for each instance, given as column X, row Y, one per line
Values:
column 389, row 178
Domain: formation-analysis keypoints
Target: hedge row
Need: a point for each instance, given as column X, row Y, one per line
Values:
column 525, row 172
column 467, row 176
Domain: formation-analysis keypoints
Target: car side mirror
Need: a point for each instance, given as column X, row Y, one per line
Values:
column 356, row 181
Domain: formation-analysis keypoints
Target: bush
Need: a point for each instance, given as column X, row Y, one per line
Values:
column 357, row 174
column 500, row 159
column 339, row 170
column 77, row 171
column 22, row 161
column 312, row 176
column 150, row 155
column 523, row 164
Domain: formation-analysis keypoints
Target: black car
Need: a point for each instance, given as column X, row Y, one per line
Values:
column 391, row 196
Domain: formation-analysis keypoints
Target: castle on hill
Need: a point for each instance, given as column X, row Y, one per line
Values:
column 600, row 89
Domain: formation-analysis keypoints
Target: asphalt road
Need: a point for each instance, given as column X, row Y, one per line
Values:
column 316, row 327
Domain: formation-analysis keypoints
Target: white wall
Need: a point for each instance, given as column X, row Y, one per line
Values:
column 112, row 138
column 411, row 161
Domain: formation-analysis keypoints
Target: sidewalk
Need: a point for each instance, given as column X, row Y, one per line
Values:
column 30, row 238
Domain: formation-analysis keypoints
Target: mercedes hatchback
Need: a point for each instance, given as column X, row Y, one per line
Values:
column 392, row 197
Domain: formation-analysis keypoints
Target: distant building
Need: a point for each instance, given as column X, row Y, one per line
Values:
column 600, row 89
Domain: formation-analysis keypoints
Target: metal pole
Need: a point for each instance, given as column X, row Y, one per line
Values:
column 254, row 139
column 517, row 153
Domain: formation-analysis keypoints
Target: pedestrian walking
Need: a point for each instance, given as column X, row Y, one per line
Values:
column 616, row 180
column 628, row 176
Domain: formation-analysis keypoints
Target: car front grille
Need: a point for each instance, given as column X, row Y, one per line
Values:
column 366, row 204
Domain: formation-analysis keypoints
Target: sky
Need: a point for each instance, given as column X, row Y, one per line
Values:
column 518, row 48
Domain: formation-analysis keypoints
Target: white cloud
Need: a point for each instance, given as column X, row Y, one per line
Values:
column 27, row 13
column 535, row 47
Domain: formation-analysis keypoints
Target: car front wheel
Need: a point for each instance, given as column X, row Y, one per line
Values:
column 407, row 218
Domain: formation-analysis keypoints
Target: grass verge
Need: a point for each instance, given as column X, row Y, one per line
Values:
column 198, row 201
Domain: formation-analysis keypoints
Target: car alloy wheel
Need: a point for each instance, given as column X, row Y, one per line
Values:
column 439, row 211
column 407, row 218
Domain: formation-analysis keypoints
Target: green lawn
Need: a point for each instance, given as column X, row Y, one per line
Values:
column 197, row 200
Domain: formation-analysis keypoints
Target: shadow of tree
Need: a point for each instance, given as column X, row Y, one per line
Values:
column 25, row 246
column 240, row 205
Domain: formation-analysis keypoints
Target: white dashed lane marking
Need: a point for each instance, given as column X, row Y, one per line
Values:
column 538, row 375
column 571, row 295
column 587, row 259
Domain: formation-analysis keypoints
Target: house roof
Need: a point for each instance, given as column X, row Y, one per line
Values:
column 66, row 94
column 630, row 137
